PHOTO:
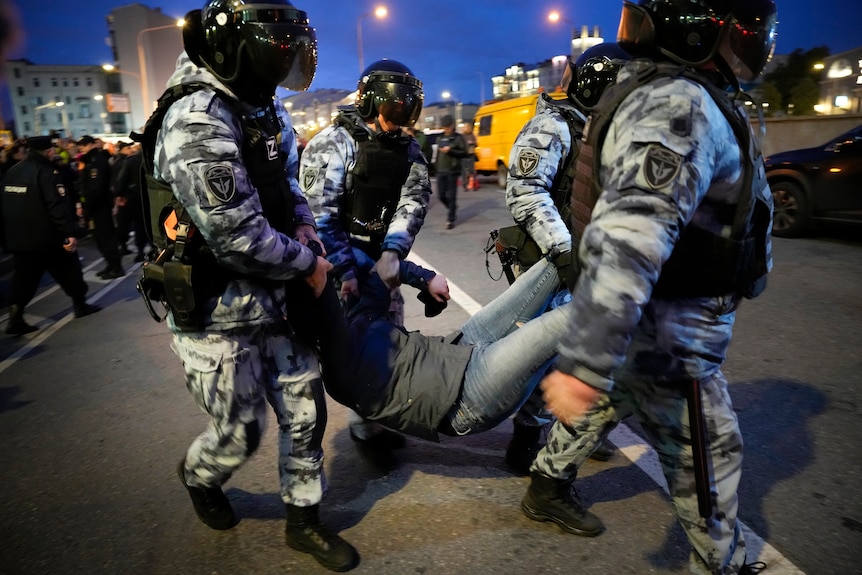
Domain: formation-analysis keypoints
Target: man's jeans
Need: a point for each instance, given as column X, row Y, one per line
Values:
column 509, row 361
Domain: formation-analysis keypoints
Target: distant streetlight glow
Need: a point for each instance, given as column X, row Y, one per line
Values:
column 380, row 12
column 446, row 95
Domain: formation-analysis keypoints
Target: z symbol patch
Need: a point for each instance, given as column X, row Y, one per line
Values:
column 660, row 166
column 528, row 161
column 220, row 182
column 309, row 176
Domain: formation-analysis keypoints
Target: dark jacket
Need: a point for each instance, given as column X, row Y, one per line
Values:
column 94, row 181
column 37, row 213
column 450, row 162
column 404, row 380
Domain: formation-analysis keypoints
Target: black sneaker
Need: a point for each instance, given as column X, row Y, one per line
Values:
column 752, row 568
column 211, row 504
column 19, row 327
column 379, row 449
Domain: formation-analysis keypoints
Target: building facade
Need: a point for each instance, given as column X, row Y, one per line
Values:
column 67, row 100
column 841, row 84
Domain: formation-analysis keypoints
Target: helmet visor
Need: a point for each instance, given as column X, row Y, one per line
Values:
column 398, row 103
column 282, row 47
column 752, row 36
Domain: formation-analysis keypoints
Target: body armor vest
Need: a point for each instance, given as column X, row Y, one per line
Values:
column 381, row 169
column 561, row 187
column 261, row 154
column 702, row 263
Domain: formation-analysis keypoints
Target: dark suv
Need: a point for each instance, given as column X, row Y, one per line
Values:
column 817, row 185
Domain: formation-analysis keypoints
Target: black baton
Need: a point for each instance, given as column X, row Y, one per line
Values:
column 697, row 424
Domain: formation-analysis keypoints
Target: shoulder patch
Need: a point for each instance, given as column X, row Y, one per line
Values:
column 660, row 166
column 221, row 182
column 309, row 176
column 527, row 162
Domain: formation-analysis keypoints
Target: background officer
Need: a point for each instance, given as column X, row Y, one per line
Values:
column 538, row 189
column 367, row 184
column 39, row 228
column 680, row 233
column 94, row 183
column 230, row 159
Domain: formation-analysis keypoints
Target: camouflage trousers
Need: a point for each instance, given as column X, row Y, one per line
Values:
column 232, row 376
column 717, row 543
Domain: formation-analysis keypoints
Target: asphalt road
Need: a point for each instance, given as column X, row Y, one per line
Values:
column 94, row 417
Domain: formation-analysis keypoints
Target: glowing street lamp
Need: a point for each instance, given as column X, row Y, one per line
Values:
column 379, row 12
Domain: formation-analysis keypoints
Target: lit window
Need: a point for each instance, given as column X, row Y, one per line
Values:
column 842, row 101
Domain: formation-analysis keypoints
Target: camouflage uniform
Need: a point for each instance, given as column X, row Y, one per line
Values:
column 542, row 146
column 668, row 160
column 243, row 357
column 327, row 174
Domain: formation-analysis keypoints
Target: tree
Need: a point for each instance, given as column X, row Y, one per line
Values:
column 796, row 81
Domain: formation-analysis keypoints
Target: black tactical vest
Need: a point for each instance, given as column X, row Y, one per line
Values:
column 381, row 169
column 702, row 263
column 261, row 154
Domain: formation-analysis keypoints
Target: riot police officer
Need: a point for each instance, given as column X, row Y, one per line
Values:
column 38, row 227
column 674, row 214
column 538, row 190
column 242, row 226
column 367, row 183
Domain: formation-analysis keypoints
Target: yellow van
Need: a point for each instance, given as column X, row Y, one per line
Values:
column 496, row 126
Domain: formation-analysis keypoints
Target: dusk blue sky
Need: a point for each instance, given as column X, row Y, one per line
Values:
column 451, row 45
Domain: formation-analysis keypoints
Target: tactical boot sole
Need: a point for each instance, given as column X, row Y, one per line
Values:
column 339, row 568
column 541, row 516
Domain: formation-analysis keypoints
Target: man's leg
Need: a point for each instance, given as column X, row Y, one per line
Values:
column 65, row 268
column 28, row 268
column 223, row 374
column 297, row 397
column 717, row 541
column 550, row 496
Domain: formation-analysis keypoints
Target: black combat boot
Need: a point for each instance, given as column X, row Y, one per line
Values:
column 211, row 504
column 522, row 448
column 17, row 325
column 752, row 568
column 604, row 451
column 305, row 532
column 549, row 499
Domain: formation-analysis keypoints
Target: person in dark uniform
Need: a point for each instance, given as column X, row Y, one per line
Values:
column 127, row 187
column 94, row 183
column 450, row 150
column 39, row 229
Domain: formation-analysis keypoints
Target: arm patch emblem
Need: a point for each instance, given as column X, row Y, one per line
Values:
column 220, row 182
column 309, row 176
column 660, row 166
column 528, row 161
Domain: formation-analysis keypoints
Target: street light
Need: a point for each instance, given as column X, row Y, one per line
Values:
column 142, row 61
column 42, row 107
column 379, row 12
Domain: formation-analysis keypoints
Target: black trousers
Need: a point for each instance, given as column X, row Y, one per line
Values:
column 29, row 266
column 130, row 218
column 105, row 234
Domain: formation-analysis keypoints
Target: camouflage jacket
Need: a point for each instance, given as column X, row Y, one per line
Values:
column 326, row 174
column 198, row 153
column 669, row 158
column 539, row 151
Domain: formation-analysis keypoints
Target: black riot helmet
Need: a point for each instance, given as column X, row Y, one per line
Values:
column 267, row 42
column 388, row 87
column 691, row 32
column 585, row 79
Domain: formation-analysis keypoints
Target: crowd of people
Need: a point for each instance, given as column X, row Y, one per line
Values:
column 298, row 262
column 74, row 189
